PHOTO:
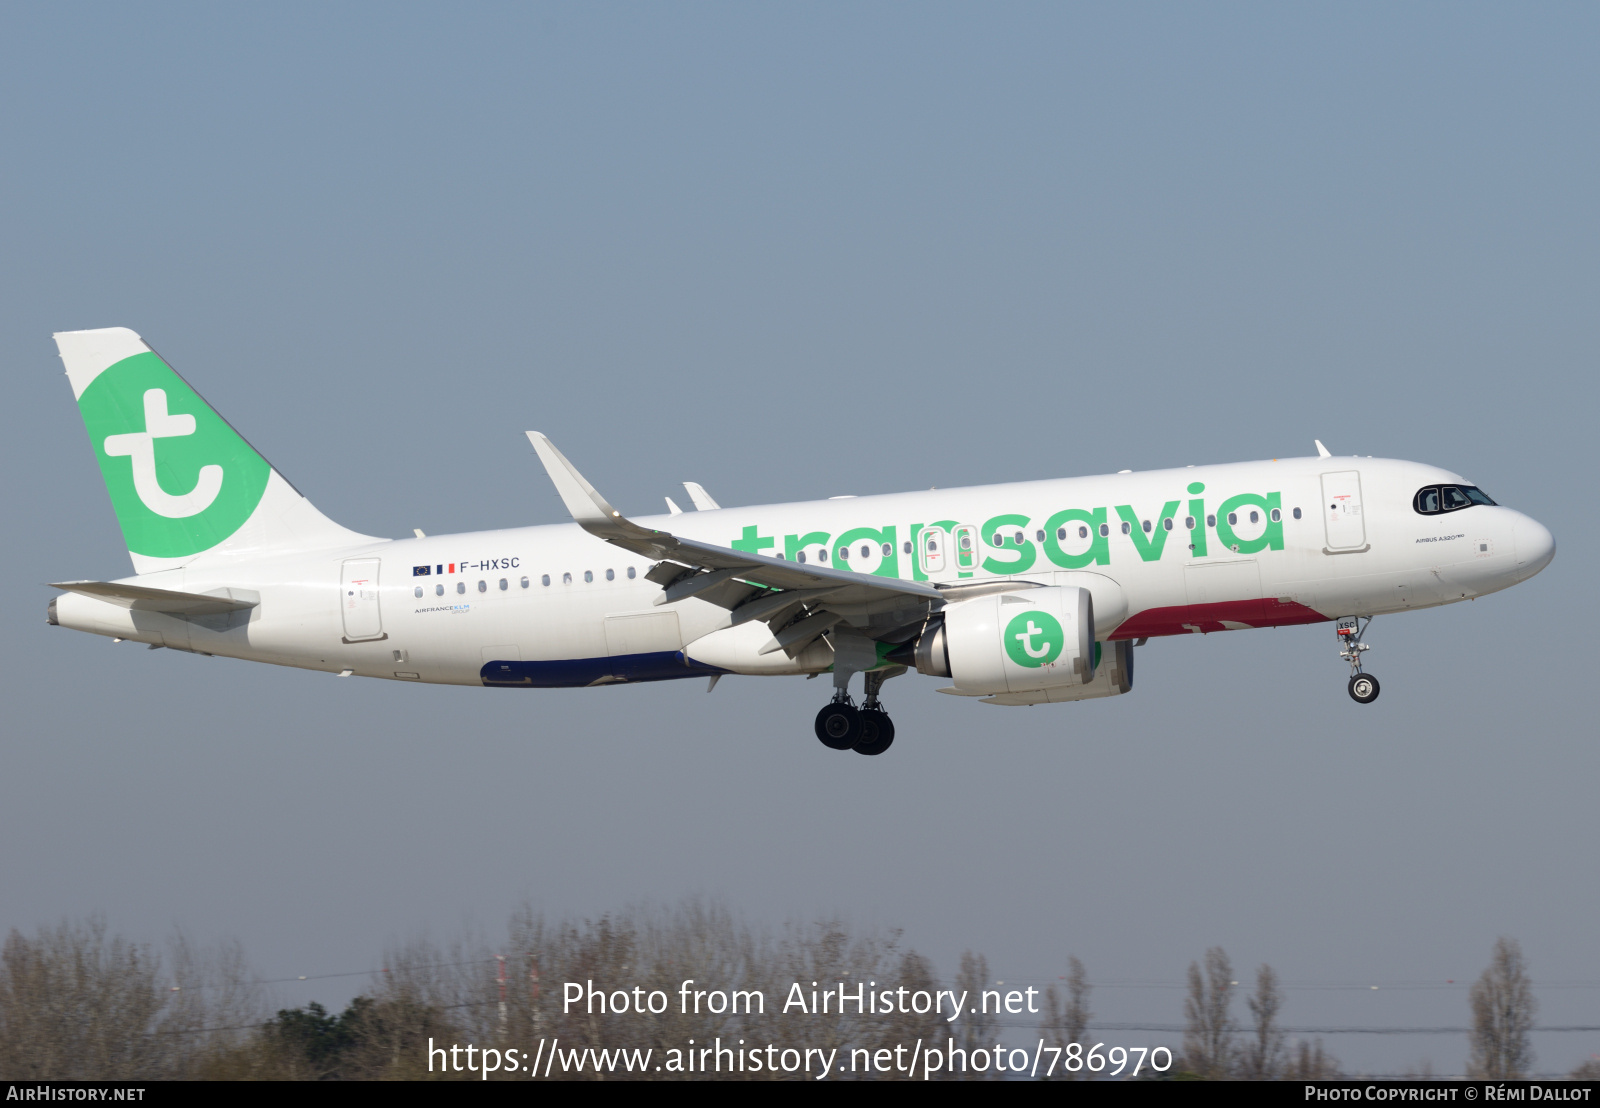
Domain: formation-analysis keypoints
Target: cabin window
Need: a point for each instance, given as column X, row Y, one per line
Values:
column 1127, row 528
column 566, row 578
column 483, row 586
column 1166, row 524
column 1039, row 535
column 1211, row 521
column 438, row 590
column 906, row 546
column 866, row 551
column 1147, row 527
column 1255, row 517
column 998, row 540
column 1233, row 518
column 1105, row 529
column 418, row 591
column 544, row 579
column 630, row 573
column 844, row 552
column 588, row 576
column 504, row 584
column 1188, row 521
column 1017, row 538
column 524, row 582
column 1297, row 513
column 800, row 557
column 611, row 575
column 822, row 555
column 461, row 588
column 1276, row 515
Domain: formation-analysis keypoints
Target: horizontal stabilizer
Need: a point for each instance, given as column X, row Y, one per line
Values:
column 140, row 598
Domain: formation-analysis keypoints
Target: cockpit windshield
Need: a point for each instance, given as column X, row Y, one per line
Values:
column 1448, row 498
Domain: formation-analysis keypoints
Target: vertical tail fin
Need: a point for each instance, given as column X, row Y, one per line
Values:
column 184, row 484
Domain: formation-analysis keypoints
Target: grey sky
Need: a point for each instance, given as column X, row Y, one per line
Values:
column 793, row 253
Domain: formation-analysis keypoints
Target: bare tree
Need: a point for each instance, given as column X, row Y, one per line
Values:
column 1064, row 1024
column 978, row 1027
column 1586, row 1071
column 1502, row 1015
column 1262, row 1056
column 1309, row 1062
column 1208, row 1047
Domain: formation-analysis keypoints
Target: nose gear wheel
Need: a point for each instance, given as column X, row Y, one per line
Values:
column 1363, row 686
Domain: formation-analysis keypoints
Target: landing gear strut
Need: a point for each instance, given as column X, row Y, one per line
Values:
column 1363, row 686
column 877, row 729
column 867, row 729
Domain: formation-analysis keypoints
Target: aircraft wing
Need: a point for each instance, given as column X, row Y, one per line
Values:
column 752, row 586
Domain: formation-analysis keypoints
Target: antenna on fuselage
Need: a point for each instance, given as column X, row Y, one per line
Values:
column 1322, row 451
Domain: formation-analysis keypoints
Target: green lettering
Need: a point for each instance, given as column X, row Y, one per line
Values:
column 1270, row 539
column 793, row 544
column 1023, row 556
column 889, row 564
column 1099, row 552
column 1197, row 509
column 1148, row 546
column 752, row 544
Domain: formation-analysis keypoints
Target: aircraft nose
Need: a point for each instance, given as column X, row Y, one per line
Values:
column 1535, row 545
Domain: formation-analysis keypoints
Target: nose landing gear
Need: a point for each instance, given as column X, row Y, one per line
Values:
column 1363, row 687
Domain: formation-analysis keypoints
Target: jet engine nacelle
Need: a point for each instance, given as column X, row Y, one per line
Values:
column 1013, row 642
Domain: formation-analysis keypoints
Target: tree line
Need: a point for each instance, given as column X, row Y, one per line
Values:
column 80, row 1003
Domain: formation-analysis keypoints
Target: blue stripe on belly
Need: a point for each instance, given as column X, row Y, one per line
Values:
column 571, row 673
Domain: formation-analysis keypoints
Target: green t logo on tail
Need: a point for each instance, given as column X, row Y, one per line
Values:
column 181, row 480
column 1034, row 639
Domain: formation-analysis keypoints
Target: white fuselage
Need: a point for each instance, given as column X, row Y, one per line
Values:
column 1347, row 540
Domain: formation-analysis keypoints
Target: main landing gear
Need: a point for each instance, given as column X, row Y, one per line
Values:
column 1363, row 686
column 867, row 729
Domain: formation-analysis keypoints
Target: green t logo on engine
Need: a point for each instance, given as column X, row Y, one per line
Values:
column 1034, row 639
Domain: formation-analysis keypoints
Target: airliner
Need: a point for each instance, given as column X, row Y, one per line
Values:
column 1033, row 592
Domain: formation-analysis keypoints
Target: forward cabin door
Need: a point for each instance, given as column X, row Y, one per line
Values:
column 358, row 600
column 1341, row 512
column 932, row 542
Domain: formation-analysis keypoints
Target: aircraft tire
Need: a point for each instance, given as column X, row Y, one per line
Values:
column 1364, row 688
column 838, row 726
column 877, row 732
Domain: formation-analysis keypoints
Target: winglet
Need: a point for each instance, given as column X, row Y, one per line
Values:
column 702, row 499
column 586, row 505
column 1322, row 451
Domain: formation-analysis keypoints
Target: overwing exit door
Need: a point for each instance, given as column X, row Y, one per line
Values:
column 1341, row 512
column 358, row 600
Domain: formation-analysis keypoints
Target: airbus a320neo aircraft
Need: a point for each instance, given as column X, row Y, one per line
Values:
column 1028, row 593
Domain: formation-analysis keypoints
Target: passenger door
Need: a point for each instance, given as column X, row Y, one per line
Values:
column 358, row 600
column 966, row 540
column 1341, row 512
